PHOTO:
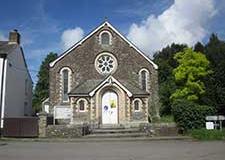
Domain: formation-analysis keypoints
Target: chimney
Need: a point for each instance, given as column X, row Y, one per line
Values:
column 14, row 37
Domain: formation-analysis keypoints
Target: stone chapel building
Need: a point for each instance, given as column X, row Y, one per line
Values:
column 105, row 79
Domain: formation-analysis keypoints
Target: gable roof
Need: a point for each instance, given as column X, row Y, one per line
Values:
column 94, row 31
column 89, row 87
column 108, row 81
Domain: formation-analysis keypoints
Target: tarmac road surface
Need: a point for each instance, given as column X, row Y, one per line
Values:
column 135, row 150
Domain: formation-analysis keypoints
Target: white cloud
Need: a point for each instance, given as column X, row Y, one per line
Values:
column 183, row 22
column 2, row 37
column 71, row 36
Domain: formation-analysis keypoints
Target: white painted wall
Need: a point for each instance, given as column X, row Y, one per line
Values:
column 18, row 102
column 1, row 74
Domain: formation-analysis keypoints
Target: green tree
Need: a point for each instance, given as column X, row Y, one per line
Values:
column 41, row 90
column 215, row 86
column 199, row 47
column 167, row 86
column 193, row 66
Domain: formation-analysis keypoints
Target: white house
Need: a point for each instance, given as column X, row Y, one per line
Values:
column 15, row 80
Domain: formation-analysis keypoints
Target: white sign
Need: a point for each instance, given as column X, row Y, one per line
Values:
column 221, row 118
column 62, row 112
column 209, row 125
column 215, row 118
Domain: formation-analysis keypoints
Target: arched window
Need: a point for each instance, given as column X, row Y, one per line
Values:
column 136, row 106
column 143, row 79
column 65, row 83
column 105, row 38
column 81, row 105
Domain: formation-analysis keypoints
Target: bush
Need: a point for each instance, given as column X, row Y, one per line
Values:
column 189, row 115
column 167, row 119
column 204, row 134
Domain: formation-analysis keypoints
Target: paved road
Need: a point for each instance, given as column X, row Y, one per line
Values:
column 149, row 150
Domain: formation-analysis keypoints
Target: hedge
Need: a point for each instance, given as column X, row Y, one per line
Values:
column 189, row 115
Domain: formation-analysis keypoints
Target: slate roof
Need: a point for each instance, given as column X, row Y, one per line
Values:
column 86, row 87
column 134, row 88
column 6, row 48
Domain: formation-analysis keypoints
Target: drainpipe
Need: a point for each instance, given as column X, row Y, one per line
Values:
column 3, row 83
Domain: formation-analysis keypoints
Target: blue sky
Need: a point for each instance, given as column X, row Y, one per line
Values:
column 53, row 25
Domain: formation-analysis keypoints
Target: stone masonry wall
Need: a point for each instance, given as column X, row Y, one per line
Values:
column 66, row 131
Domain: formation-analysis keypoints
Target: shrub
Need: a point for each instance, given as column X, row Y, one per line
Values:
column 204, row 134
column 189, row 115
column 167, row 119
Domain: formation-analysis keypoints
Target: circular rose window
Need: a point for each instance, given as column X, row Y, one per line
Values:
column 105, row 63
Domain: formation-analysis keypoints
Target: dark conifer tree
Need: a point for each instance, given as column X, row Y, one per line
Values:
column 41, row 90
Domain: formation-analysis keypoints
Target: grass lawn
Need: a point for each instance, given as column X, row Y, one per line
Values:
column 204, row 134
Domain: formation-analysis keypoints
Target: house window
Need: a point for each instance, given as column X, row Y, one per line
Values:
column 25, row 109
column 81, row 105
column 26, row 87
column 105, row 38
column 65, row 83
column 143, row 79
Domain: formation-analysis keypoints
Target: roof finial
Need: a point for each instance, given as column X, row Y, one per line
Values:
column 106, row 18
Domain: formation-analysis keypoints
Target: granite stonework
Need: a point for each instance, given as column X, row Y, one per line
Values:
column 81, row 61
column 42, row 124
column 159, row 129
column 67, row 131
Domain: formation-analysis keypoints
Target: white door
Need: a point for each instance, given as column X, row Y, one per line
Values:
column 109, row 108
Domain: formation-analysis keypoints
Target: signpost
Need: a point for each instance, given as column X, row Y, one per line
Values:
column 62, row 112
column 214, row 118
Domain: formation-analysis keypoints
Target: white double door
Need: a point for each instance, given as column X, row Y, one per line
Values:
column 109, row 108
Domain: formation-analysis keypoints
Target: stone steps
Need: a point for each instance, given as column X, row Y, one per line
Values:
column 111, row 126
column 110, row 131
column 116, row 135
column 115, row 131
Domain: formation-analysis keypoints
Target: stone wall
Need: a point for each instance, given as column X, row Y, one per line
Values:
column 138, row 116
column 42, row 124
column 67, row 131
column 159, row 129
